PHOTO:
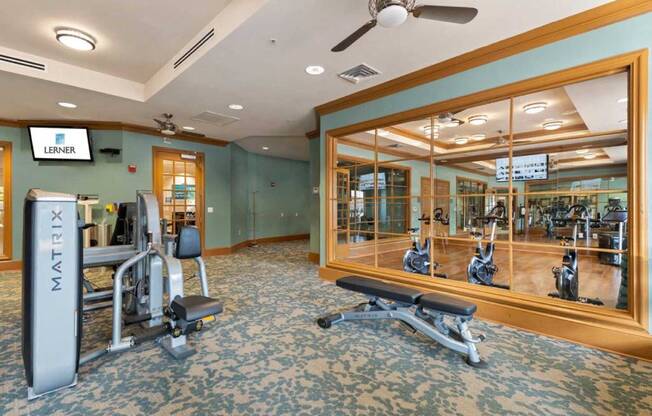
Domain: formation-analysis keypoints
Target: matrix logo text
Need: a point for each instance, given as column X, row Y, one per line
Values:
column 56, row 253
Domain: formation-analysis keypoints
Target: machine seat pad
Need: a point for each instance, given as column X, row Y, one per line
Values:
column 383, row 290
column 194, row 307
column 447, row 304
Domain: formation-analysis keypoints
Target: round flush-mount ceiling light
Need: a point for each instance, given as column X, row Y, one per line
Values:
column 315, row 70
column 66, row 105
column 552, row 125
column 582, row 151
column 479, row 136
column 75, row 39
column 189, row 128
column 392, row 15
column 478, row 120
column 461, row 140
column 535, row 108
column 590, row 156
column 265, row 148
column 236, row 107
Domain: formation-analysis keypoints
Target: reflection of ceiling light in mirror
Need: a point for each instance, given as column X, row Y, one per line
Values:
column 453, row 123
column 535, row 108
column 67, row 105
column 622, row 100
column 552, row 125
column 589, row 156
column 383, row 133
column 478, row 120
column 461, row 140
column 189, row 128
column 569, row 113
column 265, row 147
column 582, row 151
column 428, row 129
column 479, row 136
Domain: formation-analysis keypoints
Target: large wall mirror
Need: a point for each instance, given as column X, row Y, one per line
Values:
column 525, row 195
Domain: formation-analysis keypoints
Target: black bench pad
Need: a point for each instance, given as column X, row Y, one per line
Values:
column 447, row 304
column 194, row 307
column 377, row 288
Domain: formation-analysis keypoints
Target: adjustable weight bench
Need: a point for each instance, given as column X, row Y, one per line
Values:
column 425, row 313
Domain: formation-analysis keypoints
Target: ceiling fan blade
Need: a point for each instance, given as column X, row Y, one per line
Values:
column 449, row 14
column 160, row 123
column 354, row 36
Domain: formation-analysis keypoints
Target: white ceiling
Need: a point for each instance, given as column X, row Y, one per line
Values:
column 242, row 65
column 134, row 38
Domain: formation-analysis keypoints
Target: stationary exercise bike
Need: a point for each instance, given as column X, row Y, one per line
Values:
column 417, row 258
column 481, row 270
column 567, row 275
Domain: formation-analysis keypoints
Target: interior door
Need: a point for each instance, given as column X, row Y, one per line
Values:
column 441, row 200
column 179, row 188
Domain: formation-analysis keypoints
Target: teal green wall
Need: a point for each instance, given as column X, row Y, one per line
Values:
column 314, row 198
column 281, row 199
column 227, row 183
column 626, row 36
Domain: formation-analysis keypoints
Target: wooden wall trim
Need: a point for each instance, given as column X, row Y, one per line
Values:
column 611, row 338
column 116, row 125
column 313, row 257
column 10, row 265
column 595, row 18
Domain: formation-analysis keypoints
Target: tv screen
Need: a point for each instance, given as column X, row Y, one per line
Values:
column 367, row 181
column 526, row 168
column 60, row 143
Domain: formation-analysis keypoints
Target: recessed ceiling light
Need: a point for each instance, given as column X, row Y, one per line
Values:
column 462, row 140
column 479, row 136
column 582, row 151
column 75, row 39
column 478, row 120
column 623, row 121
column 535, row 108
column 623, row 100
column 188, row 128
column 315, row 70
column 236, row 107
column 428, row 129
column 552, row 125
column 67, row 105
column 265, row 148
column 589, row 156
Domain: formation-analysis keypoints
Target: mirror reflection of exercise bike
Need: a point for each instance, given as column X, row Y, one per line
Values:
column 481, row 270
column 567, row 275
column 417, row 258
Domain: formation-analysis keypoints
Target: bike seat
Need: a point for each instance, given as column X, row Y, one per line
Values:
column 476, row 234
column 413, row 230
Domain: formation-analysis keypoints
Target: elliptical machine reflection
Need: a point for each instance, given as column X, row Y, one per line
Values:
column 481, row 269
column 417, row 257
column 567, row 275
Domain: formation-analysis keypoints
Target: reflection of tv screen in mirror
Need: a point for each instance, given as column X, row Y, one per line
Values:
column 526, row 168
column 367, row 181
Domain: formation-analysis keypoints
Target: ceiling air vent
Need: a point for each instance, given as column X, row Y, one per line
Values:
column 359, row 73
column 22, row 62
column 215, row 118
column 194, row 48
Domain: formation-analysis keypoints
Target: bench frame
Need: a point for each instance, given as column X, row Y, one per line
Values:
column 431, row 323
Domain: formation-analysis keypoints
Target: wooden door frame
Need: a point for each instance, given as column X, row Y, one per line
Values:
column 7, row 234
column 200, row 188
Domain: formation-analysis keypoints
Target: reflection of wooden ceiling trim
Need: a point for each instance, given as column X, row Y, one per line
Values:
column 613, row 166
column 617, row 141
column 470, row 170
column 403, row 155
column 526, row 135
column 408, row 134
column 115, row 125
column 581, row 159
column 562, row 29
column 313, row 134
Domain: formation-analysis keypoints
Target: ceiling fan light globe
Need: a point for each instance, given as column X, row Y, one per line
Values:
column 168, row 132
column 392, row 16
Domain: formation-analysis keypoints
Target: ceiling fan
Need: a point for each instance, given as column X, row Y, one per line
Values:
column 392, row 13
column 166, row 127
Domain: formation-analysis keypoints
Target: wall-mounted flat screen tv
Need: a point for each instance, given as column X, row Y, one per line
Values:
column 526, row 168
column 60, row 143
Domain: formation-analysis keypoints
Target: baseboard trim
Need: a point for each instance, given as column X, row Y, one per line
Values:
column 221, row 251
column 593, row 335
column 313, row 257
column 10, row 265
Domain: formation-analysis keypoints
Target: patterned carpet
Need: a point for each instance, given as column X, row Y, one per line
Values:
column 265, row 355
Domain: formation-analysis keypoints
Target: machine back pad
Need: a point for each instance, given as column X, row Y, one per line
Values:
column 188, row 243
